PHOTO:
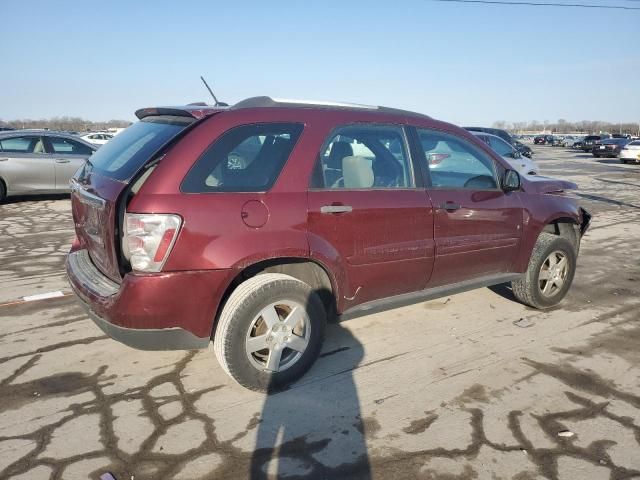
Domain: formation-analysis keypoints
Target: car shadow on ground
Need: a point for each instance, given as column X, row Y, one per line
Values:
column 609, row 161
column 34, row 198
column 314, row 428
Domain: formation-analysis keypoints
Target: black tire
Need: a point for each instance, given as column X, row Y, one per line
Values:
column 238, row 315
column 528, row 288
column 622, row 160
column 3, row 191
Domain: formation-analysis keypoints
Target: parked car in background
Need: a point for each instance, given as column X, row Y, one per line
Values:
column 97, row 138
column 589, row 141
column 39, row 161
column 250, row 226
column 503, row 134
column 630, row 153
column 567, row 141
column 610, row 147
column 523, row 149
column 523, row 165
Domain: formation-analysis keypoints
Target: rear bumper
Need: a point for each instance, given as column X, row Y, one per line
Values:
column 150, row 339
column 165, row 311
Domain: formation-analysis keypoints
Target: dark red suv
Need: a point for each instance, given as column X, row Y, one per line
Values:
column 251, row 225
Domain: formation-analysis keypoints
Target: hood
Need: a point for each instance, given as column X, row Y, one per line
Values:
column 540, row 185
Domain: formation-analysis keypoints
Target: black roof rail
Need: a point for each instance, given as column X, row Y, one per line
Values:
column 269, row 102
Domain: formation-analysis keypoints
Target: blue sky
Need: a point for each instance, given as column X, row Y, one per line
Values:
column 467, row 64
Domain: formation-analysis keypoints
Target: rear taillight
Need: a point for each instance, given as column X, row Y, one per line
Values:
column 148, row 239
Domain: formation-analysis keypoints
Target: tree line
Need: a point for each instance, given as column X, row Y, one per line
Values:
column 565, row 126
column 72, row 124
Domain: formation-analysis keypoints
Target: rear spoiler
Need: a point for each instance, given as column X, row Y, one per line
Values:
column 191, row 111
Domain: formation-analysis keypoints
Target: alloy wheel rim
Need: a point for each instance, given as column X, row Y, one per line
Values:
column 553, row 273
column 278, row 336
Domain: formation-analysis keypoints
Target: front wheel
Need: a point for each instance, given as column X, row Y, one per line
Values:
column 3, row 191
column 270, row 331
column 550, row 272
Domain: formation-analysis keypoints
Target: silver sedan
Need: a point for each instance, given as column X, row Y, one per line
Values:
column 39, row 161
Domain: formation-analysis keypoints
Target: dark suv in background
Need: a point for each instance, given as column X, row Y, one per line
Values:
column 589, row 142
column 251, row 225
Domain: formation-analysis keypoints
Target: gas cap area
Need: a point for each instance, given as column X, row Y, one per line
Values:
column 254, row 214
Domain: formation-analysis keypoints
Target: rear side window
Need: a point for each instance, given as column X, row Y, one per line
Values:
column 247, row 158
column 67, row 146
column 126, row 153
column 26, row 144
column 363, row 157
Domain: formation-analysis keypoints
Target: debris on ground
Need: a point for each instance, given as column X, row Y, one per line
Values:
column 524, row 323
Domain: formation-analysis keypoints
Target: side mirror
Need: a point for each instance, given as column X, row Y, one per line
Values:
column 511, row 181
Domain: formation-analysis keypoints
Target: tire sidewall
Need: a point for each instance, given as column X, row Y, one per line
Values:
column 239, row 364
column 559, row 244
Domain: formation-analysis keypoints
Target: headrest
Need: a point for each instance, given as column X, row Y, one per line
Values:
column 357, row 172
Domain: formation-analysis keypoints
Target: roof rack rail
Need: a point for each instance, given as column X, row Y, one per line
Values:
column 266, row 102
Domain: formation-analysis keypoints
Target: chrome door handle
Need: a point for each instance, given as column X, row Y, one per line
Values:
column 62, row 160
column 450, row 206
column 336, row 209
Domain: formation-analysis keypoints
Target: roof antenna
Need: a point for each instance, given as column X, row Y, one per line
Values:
column 217, row 104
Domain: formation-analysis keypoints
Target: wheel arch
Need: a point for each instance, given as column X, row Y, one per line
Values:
column 564, row 226
column 306, row 270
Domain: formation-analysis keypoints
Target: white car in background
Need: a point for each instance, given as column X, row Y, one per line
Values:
column 97, row 138
column 631, row 152
column 523, row 165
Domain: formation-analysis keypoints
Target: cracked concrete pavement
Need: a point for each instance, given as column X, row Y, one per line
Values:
column 445, row 389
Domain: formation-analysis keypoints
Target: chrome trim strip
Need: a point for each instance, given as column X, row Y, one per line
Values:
column 86, row 197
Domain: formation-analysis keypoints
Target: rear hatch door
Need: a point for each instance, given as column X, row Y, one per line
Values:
column 101, row 183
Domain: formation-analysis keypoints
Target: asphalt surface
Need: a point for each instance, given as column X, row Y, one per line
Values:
column 469, row 386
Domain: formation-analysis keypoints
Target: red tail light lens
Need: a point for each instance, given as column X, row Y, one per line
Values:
column 148, row 239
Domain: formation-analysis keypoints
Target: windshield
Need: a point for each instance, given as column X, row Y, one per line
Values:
column 128, row 151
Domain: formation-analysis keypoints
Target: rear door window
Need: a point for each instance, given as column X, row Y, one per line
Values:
column 364, row 156
column 248, row 158
column 125, row 154
column 24, row 144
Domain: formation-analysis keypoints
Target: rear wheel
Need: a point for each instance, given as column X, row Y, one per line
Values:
column 3, row 191
column 270, row 331
column 550, row 272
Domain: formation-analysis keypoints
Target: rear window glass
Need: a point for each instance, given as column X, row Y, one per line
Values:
column 127, row 152
column 247, row 158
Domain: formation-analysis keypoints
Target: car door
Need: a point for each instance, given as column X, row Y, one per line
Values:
column 367, row 218
column 25, row 166
column 68, row 156
column 477, row 225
